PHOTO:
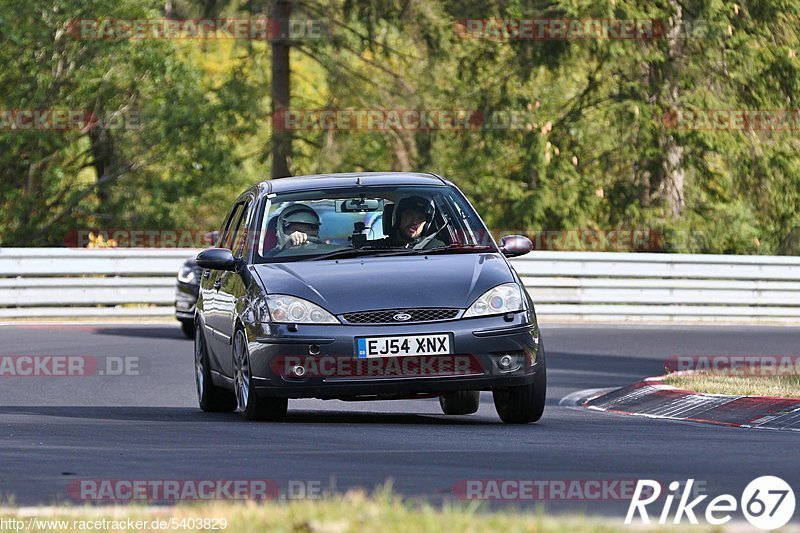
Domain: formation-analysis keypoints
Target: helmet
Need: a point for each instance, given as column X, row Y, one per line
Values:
column 295, row 214
column 417, row 203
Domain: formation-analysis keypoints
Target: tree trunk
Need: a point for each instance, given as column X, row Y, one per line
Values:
column 281, row 137
column 102, row 155
column 674, row 173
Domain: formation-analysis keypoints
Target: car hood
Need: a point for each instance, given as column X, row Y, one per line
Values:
column 361, row 284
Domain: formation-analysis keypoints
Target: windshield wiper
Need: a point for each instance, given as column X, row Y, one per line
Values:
column 459, row 248
column 347, row 252
column 453, row 248
column 380, row 251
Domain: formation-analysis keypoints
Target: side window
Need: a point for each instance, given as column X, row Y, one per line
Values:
column 240, row 232
column 225, row 223
column 226, row 237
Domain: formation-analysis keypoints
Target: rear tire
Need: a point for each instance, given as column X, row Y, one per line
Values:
column 524, row 404
column 463, row 402
column 211, row 398
column 187, row 326
column 251, row 406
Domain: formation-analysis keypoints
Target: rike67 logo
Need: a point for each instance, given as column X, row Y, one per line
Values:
column 767, row 503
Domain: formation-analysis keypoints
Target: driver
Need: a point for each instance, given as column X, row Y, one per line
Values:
column 298, row 224
column 411, row 218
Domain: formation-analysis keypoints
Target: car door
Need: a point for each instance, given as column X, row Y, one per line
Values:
column 209, row 289
column 231, row 287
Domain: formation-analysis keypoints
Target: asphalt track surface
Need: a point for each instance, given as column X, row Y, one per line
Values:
column 55, row 430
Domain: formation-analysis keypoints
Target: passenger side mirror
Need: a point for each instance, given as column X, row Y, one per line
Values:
column 217, row 259
column 515, row 245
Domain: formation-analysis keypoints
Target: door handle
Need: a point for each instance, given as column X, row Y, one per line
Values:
column 217, row 285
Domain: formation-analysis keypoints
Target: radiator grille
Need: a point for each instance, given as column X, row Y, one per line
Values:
column 387, row 316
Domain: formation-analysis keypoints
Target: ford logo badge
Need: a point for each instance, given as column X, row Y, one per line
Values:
column 402, row 317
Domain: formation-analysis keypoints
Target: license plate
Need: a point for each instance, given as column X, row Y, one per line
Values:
column 405, row 345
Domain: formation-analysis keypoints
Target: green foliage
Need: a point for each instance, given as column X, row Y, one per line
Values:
column 593, row 148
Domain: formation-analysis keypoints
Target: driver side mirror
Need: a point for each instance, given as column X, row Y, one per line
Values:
column 217, row 259
column 515, row 245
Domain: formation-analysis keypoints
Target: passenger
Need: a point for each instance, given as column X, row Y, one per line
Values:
column 298, row 224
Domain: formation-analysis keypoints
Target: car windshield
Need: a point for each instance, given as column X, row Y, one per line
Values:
column 383, row 221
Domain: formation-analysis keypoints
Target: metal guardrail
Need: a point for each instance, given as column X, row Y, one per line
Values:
column 670, row 287
column 60, row 282
column 67, row 282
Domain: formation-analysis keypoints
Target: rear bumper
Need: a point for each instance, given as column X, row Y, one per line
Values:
column 328, row 354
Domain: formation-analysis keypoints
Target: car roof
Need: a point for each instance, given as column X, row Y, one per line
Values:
column 350, row 179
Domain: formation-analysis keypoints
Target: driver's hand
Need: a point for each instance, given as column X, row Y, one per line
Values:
column 297, row 238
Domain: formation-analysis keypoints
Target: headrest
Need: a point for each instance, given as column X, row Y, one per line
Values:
column 388, row 211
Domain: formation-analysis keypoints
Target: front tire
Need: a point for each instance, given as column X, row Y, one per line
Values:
column 248, row 402
column 211, row 398
column 524, row 404
column 463, row 402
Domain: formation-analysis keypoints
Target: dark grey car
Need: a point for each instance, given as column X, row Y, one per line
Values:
column 396, row 291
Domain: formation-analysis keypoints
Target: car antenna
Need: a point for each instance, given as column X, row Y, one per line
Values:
column 358, row 180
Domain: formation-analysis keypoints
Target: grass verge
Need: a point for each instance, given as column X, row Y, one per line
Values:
column 709, row 382
column 351, row 512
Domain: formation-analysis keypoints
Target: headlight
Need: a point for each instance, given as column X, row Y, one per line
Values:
column 291, row 310
column 186, row 275
column 502, row 299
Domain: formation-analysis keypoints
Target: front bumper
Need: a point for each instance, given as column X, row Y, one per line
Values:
column 477, row 346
